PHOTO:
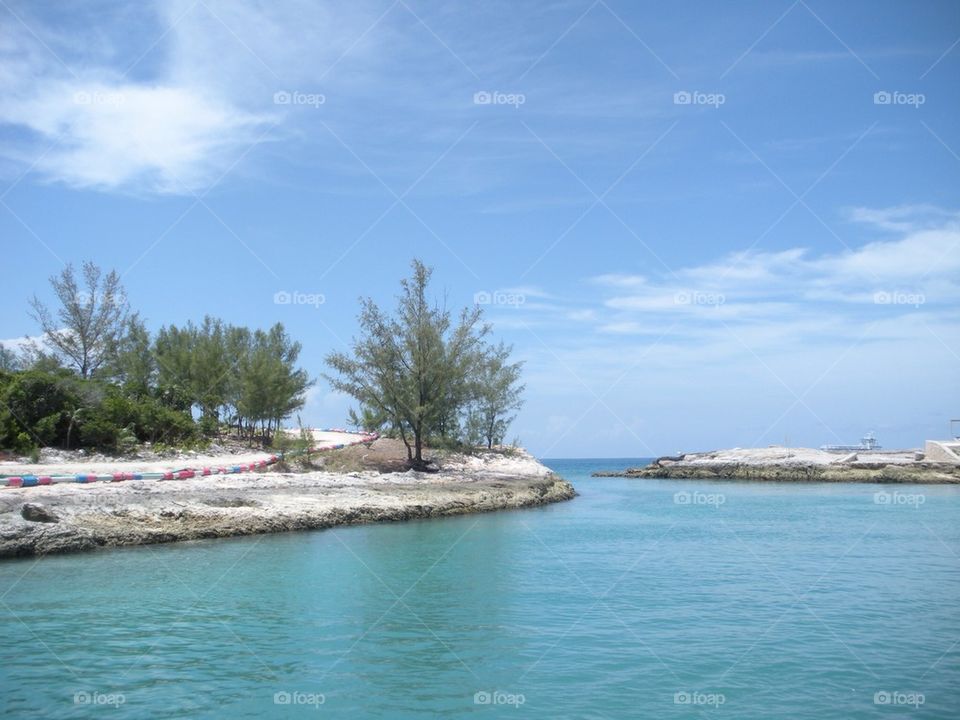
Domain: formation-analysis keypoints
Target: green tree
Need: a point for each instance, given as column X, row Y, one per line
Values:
column 370, row 419
column 239, row 344
column 497, row 394
column 172, row 350
column 210, row 370
column 269, row 386
column 90, row 319
column 36, row 408
column 8, row 359
column 413, row 367
column 132, row 362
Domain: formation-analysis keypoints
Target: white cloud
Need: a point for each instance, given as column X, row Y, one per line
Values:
column 914, row 258
column 800, row 348
column 903, row 218
column 169, row 139
column 779, row 286
column 165, row 104
column 18, row 345
column 619, row 280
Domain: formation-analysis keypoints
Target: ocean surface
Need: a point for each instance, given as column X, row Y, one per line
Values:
column 638, row 599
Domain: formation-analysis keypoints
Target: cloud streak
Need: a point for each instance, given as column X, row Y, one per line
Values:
column 166, row 104
column 920, row 267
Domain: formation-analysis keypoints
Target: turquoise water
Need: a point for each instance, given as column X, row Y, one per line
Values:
column 737, row 600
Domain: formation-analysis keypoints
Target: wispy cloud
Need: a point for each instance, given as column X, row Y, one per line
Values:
column 163, row 97
column 920, row 267
column 904, row 218
column 118, row 135
column 171, row 103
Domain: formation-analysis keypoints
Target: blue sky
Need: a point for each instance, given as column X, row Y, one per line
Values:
column 700, row 224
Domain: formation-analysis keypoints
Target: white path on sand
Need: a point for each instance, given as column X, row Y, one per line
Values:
column 100, row 465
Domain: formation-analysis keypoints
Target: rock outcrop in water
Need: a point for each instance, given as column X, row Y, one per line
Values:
column 141, row 512
column 778, row 464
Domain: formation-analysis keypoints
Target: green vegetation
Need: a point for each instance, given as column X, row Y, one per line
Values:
column 420, row 376
column 103, row 382
column 89, row 321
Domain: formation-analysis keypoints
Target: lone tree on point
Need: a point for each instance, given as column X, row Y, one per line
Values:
column 416, row 371
column 90, row 320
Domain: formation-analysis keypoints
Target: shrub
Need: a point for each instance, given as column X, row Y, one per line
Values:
column 157, row 422
column 35, row 408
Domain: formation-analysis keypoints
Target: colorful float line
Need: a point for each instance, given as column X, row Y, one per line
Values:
column 182, row 474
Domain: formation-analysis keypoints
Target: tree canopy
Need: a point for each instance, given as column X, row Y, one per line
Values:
column 122, row 384
column 89, row 319
column 423, row 375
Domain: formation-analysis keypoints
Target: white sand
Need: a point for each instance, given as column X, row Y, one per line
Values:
column 101, row 465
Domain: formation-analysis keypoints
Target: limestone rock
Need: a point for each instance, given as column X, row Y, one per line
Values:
column 34, row 512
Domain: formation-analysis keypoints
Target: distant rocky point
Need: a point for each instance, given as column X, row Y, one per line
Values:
column 782, row 464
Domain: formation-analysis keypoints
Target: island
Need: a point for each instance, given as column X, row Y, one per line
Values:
column 938, row 463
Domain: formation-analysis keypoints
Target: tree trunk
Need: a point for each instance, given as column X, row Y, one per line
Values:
column 418, row 462
column 70, row 431
column 406, row 443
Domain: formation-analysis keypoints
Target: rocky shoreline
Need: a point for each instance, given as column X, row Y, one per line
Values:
column 78, row 517
column 778, row 464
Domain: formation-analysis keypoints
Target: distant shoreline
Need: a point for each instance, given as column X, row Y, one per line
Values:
column 779, row 464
